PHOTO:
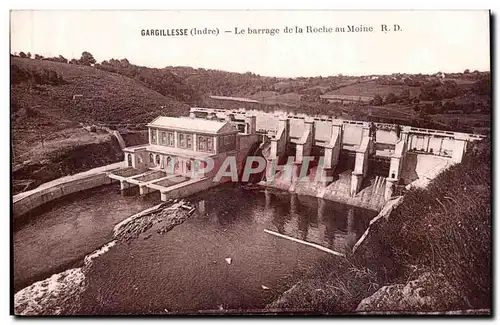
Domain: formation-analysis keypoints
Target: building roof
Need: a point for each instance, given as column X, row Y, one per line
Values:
column 196, row 125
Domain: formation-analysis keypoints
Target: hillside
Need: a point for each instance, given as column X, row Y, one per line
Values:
column 47, row 115
column 222, row 83
column 87, row 95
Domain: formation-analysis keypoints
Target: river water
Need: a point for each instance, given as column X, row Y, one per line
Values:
column 61, row 233
column 185, row 270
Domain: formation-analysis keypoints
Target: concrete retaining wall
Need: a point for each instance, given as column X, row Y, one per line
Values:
column 188, row 188
column 27, row 201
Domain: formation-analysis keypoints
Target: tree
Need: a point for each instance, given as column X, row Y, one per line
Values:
column 62, row 59
column 404, row 97
column 438, row 106
column 28, row 55
column 482, row 86
column 22, row 55
column 74, row 61
column 377, row 100
column 87, row 59
column 391, row 98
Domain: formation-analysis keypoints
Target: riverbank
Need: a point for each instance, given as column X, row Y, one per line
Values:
column 60, row 294
column 432, row 253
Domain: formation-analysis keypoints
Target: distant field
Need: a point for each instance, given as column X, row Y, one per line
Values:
column 263, row 95
column 461, row 81
column 371, row 89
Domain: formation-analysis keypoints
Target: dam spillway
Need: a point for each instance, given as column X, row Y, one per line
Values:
column 363, row 163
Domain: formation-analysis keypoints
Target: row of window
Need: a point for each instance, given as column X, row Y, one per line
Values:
column 184, row 140
column 169, row 162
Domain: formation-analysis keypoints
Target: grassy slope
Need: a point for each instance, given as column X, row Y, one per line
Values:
column 447, row 227
column 46, row 110
column 49, row 112
column 106, row 96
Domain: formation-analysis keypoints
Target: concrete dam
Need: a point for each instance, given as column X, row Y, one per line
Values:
column 360, row 163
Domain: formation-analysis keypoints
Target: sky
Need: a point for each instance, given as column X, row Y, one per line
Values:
column 428, row 42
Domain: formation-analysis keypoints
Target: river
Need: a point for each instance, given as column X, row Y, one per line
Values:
column 60, row 234
column 185, row 270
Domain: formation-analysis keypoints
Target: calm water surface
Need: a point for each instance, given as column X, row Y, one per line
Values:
column 185, row 269
column 61, row 233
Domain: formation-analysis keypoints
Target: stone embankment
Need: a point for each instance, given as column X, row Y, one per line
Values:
column 24, row 202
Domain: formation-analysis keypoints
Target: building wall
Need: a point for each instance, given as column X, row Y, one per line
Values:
column 226, row 143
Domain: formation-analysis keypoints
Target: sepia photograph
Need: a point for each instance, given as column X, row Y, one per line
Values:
column 250, row 162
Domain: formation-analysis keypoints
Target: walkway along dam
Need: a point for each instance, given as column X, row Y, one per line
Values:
column 360, row 163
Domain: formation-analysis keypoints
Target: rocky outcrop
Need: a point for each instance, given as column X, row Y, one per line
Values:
column 161, row 218
column 429, row 292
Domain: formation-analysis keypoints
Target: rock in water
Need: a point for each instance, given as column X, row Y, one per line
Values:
column 264, row 287
column 229, row 260
column 429, row 292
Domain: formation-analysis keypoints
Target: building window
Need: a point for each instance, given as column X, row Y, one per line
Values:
column 210, row 145
column 129, row 160
column 153, row 136
column 189, row 141
column 205, row 143
column 151, row 158
column 202, row 143
column 170, row 139
column 182, row 141
column 157, row 159
column 163, row 138
column 188, row 165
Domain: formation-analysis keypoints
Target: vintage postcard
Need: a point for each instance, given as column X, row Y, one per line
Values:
column 250, row 162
